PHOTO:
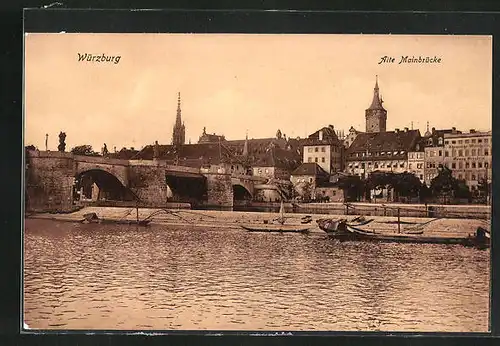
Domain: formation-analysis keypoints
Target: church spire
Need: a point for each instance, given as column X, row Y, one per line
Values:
column 179, row 132
column 178, row 120
column 377, row 100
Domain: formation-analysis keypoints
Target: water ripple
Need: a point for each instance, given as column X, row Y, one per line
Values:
column 120, row 277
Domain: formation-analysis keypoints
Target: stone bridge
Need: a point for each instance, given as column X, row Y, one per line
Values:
column 52, row 179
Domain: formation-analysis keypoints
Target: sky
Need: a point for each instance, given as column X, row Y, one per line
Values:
column 234, row 84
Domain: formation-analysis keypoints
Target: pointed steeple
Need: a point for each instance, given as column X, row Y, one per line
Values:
column 178, row 120
column 179, row 132
column 427, row 133
column 245, row 146
column 377, row 100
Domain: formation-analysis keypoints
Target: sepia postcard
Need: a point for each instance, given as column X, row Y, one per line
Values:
column 257, row 182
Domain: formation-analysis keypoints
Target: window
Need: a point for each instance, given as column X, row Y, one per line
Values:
column 466, row 141
column 395, row 153
column 267, row 170
column 260, row 170
column 315, row 149
column 466, row 152
column 460, row 165
column 315, row 159
column 473, row 177
column 479, row 165
column 310, row 180
column 453, row 142
column 446, row 142
column 419, row 166
column 446, row 153
column 375, row 165
column 467, row 165
column 350, row 165
column 460, row 176
column 480, row 141
column 409, row 166
column 486, row 152
column 401, row 165
column 473, row 165
column 460, row 141
column 453, row 165
column 473, row 141
column 309, row 150
column 486, row 140
column 473, row 152
column 322, row 149
column 395, row 164
column 460, row 152
column 309, row 159
column 323, row 159
column 440, row 153
column 440, row 141
column 421, row 177
column 402, row 152
column 486, row 164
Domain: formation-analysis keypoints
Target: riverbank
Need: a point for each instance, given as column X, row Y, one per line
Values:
column 449, row 227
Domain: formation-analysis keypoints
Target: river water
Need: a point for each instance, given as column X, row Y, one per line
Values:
column 113, row 277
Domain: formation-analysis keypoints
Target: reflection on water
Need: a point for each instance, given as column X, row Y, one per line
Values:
column 123, row 277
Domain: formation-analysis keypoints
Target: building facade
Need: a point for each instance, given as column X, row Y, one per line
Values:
column 434, row 152
column 324, row 148
column 468, row 155
column 376, row 115
column 381, row 151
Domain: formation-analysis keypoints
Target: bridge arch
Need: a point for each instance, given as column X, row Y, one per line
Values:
column 97, row 184
column 118, row 171
column 240, row 192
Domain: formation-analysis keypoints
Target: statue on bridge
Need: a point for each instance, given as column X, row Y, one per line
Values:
column 105, row 150
column 62, row 145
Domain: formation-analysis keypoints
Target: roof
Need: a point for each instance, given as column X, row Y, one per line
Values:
column 432, row 140
column 277, row 157
column 328, row 136
column 192, row 155
column 377, row 100
column 310, row 168
column 384, row 141
column 123, row 154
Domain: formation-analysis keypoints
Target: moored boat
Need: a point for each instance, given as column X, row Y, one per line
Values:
column 479, row 239
column 277, row 228
column 277, row 225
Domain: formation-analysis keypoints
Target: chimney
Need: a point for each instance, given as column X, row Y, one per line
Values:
column 453, row 130
column 320, row 135
column 472, row 131
column 433, row 129
column 406, row 129
column 396, row 130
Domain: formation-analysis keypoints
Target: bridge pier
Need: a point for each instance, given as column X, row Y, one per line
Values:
column 49, row 182
column 219, row 190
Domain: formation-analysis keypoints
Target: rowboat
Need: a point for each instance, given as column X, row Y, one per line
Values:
column 277, row 225
column 277, row 228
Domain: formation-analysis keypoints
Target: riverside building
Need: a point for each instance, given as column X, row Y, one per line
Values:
column 468, row 155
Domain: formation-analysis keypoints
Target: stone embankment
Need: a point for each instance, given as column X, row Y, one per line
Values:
column 448, row 227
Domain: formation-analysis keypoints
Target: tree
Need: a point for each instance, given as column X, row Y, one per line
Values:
column 353, row 187
column 85, row 150
column 406, row 184
column 445, row 185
